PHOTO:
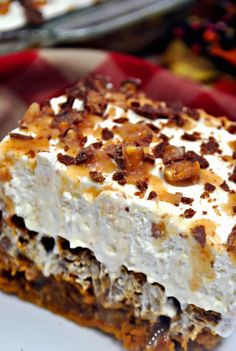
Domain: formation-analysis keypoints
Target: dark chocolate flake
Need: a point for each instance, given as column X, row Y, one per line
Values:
column 199, row 234
column 97, row 176
column 210, row 148
column 119, row 175
column 159, row 149
column 189, row 137
column 149, row 158
column 232, row 129
column 19, row 136
column 232, row 177
column 120, row 120
column 65, row 159
column 107, row 134
column 231, row 242
column 234, row 155
column 97, row 145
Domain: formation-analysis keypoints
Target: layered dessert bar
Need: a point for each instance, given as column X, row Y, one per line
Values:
column 118, row 212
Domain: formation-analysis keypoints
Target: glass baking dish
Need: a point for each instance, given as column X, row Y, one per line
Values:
column 92, row 23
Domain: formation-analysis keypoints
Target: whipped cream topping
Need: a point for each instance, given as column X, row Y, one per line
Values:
column 117, row 225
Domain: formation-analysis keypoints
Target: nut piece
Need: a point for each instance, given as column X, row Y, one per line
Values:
column 182, row 173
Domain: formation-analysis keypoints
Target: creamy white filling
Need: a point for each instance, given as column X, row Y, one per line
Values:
column 118, row 237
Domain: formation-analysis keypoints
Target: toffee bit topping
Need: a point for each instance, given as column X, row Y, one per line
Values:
column 193, row 156
column 150, row 112
column 97, row 145
column 119, row 175
column 199, row 234
column 120, row 120
column 107, row 134
column 205, row 195
column 189, row 213
column 159, row 149
column 97, row 176
column 182, row 172
column 173, row 154
column 210, row 147
column 130, row 86
column 232, row 177
column 158, row 230
column 190, row 137
column 142, row 186
column 187, row 200
column 152, row 195
column 19, row 136
column 225, row 186
column 231, row 242
column 65, row 159
column 85, row 155
column 232, row 129
column 149, row 158
column 209, row 187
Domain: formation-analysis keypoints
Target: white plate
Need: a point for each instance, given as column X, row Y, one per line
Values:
column 24, row 327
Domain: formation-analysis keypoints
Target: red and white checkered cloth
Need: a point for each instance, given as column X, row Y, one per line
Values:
column 37, row 75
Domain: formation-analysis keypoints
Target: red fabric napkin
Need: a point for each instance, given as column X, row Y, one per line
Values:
column 37, row 75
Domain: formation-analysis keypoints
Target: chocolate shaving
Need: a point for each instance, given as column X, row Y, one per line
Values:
column 107, row 134
column 97, row 145
column 150, row 112
column 159, row 149
column 189, row 213
column 65, row 159
column 152, row 195
column 97, row 176
column 225, row 186
column 142, row 186
column 85, row 155
column 209, row 187
column 19, row 136
column 115, row 152
column 193, row 156
column 234, row 155
column 199, row 234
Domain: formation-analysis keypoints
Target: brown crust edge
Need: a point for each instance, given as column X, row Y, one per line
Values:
column 23, row 279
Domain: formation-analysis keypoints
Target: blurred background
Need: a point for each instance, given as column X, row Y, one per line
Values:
column 194, row 39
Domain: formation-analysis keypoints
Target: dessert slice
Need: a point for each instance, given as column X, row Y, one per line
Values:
column 118, row 212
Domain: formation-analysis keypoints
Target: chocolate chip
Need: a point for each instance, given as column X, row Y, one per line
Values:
column 193, row 156
column 107, row 134
column 65, row 159
column 85, row 155
column 142, row 185
column 189, row 213
column 199, row 234
column 97, row 176
column 225, row 186
column 209, row 187
column 19, row 136
column 152, row 195
column 186, row 200
column 18, row 222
